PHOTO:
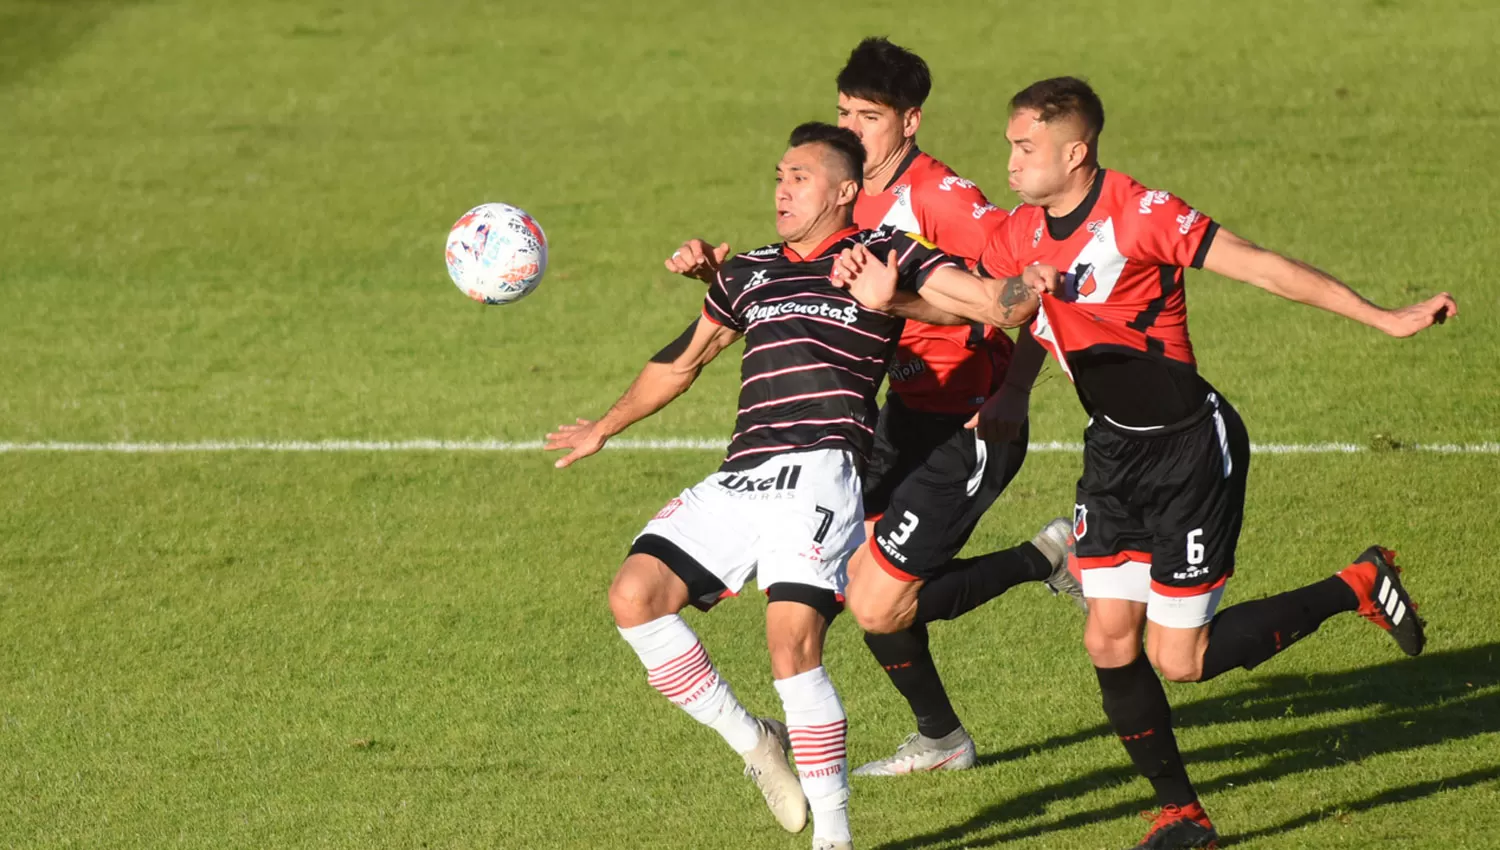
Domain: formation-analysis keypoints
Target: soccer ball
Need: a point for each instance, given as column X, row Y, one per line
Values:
column 496, row 253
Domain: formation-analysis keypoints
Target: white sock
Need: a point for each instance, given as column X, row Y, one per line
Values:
column 678, row 667
column 815, row 718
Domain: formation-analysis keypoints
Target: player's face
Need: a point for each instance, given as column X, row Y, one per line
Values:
column 1038, row 164
column 882, row 129
column 811, row 196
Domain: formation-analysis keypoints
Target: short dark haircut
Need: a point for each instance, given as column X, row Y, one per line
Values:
column 886, row 73
column 1063, row 97
column 842, row 142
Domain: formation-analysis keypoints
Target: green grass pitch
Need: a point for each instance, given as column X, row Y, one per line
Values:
column 223, row 221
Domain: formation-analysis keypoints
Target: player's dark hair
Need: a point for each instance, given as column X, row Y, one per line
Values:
column 843, row 143
column 1064, row 97
column 886, row 73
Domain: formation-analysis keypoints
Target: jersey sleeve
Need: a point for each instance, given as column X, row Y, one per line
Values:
column 955, row 215
column 916, row 259
column 998, row 258
column 718, row 304
column 1162, row 229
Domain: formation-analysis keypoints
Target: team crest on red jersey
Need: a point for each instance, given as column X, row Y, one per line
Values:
column 1080, row 521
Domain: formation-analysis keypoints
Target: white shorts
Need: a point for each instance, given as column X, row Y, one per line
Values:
column 795, row 518
column 1132, row 580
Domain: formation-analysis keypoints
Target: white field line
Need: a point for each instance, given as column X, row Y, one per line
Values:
column 691, row 444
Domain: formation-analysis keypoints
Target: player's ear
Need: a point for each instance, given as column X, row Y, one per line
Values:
column 911, row 121
column 848, row 192
column 1076, row 153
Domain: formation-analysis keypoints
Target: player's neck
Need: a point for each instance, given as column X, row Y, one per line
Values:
column 806, row 245
column 879, row 178
column 1078, row 189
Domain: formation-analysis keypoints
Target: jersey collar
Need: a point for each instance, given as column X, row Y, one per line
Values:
column 786, row 250
column 1062, row 227
column 906, row 161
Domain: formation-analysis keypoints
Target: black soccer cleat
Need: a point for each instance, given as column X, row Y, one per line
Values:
column 1383, row 600
column 1180, row 828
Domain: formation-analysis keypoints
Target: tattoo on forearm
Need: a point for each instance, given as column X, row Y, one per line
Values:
column 1015, row 292
column 675, row 348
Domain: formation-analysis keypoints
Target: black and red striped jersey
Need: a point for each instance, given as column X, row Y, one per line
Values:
column 813, row 357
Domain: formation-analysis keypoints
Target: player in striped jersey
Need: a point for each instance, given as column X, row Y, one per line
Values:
column 929, row 480
column 785, row 506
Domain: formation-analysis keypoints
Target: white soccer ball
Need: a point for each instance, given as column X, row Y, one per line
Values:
column 496, row 253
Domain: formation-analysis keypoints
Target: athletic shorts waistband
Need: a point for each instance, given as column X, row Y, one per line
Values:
column 1211, row 404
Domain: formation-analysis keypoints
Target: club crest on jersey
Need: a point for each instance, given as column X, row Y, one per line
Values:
column 1079, row 283
column 920, row 240
column 1080, row 521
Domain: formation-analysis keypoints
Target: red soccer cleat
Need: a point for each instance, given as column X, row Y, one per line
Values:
column 1180, row 828
column 1376, row 580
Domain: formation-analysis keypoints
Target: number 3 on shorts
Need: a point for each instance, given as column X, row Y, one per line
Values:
column 1194, row 548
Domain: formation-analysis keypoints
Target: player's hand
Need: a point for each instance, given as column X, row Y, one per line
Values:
column 697, row 259
column 870, row 281
column 582, row 439
column 1041, row 279
column 1002, row 417
column 1405, row 321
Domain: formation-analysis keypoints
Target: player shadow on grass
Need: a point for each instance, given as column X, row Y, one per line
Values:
column 1424, row 701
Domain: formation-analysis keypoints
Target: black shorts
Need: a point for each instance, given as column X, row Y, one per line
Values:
column 929, row 481
column 1171, row 499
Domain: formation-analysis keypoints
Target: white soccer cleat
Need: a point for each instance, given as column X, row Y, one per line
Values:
column 1055, row 542
column 920, row 755
column 767, row 764
column 830, row 844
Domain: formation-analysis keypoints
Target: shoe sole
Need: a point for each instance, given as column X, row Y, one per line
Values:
column 1394, row 604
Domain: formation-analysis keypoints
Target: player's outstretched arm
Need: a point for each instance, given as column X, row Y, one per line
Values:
column 668, row 375
column 697, row 259
column 953, row 296
column 1234, row 257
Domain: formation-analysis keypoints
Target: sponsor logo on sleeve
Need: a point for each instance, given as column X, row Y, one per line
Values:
column 1153, row 198
column 1186, row 221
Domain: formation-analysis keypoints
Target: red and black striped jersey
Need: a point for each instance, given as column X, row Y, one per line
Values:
column 1119, row 326
column 940, row 368
column 813, row 357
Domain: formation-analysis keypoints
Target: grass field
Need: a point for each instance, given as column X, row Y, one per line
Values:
column 223, row 221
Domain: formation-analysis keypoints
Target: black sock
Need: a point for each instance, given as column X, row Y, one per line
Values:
column 908, row 662
column 1138, row 712
column 1249, row 633
column 964, row 584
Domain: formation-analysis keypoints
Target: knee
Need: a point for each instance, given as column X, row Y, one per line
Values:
column 879, row 619
column 1178, row 668
column 794, row 653
column 1108, row 650
column 631, row 599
